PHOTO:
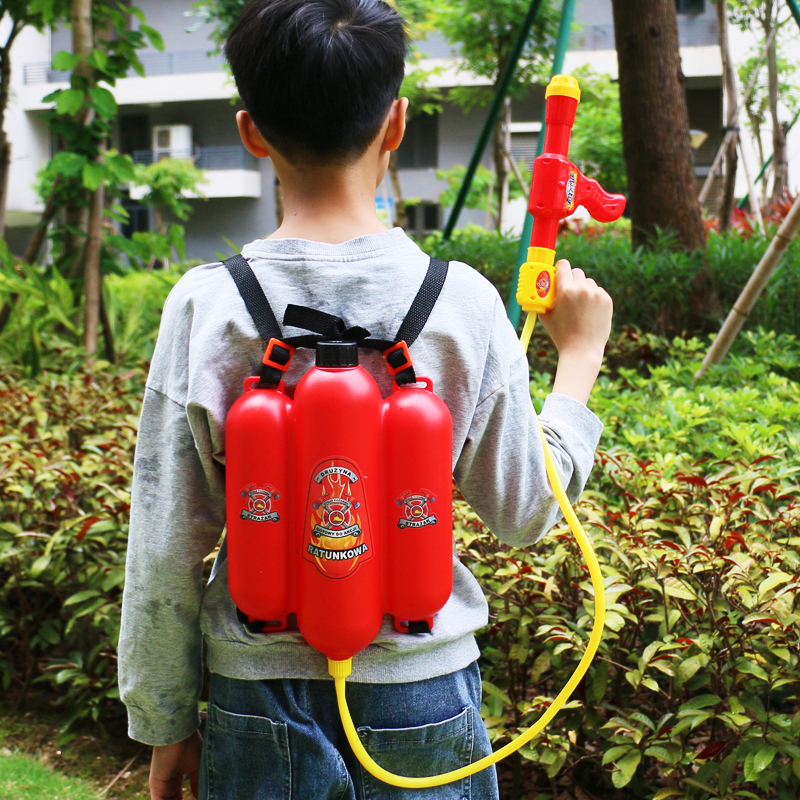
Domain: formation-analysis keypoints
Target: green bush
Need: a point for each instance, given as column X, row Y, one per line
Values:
column 693, row 510
column 66, row 458
column 655, row 290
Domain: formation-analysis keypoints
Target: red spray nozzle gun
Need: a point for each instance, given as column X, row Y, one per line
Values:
column 557, row 189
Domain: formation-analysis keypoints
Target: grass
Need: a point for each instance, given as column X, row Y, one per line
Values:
column 35, row 765
column 23, row 778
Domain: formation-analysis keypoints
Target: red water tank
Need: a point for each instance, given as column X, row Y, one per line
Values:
column 339, row 504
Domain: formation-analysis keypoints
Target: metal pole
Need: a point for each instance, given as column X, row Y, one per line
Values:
column 564, row 27
column 795, row 9
column 491, row 117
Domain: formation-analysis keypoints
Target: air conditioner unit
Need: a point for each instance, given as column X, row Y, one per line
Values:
column 172, row 141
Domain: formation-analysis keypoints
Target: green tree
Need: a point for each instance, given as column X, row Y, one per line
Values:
column 19, row 15
column 766, row 16
column 757, row 107
column 84, row 174
column 169, row 182
column 596, row 145
column 483, row 36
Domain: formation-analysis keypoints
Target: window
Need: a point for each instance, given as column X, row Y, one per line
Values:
column 420, row 147
column 690, row 6
column 138, row 216
column 423, row 218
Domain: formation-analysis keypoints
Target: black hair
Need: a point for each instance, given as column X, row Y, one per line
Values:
column 318, row 76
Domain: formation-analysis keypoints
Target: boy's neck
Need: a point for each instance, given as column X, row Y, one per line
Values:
column 329, row 204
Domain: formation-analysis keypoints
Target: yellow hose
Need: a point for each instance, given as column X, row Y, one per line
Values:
column 341, row 669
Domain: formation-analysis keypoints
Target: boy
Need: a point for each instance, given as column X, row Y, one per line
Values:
column 319, row 80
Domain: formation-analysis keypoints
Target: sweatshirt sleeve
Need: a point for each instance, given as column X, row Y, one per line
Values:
column 177, row 516
column 501, row 469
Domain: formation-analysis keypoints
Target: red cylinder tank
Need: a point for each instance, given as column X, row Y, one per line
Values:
column 339, row 504
column 259, row 509
column 418, row 440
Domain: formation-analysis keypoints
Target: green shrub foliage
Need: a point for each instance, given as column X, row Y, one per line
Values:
column 655, row 290
column 692, row 507
column 66, row 458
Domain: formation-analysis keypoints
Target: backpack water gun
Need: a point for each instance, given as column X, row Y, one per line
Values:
column 334, row 513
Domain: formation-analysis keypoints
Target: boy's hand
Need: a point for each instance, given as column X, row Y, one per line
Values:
column 579, row 325
column 170, row 763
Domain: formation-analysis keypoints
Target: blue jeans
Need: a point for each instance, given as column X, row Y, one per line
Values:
column 283, row 739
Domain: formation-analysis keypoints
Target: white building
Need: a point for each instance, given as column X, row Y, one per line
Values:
column 183, row 106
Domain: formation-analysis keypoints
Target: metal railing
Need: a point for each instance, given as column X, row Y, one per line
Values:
column 211, row 158
column 182, row 62
column 692, row 32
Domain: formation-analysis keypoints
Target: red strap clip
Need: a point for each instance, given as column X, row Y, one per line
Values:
column 398, row 358
column 278, row 354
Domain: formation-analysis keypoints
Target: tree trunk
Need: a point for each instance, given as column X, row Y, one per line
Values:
column 655, row 123
column 91, row 274
column 780, row 164
column 501, row 144
column 400, row 218
column 725, row 210
column 108, row 333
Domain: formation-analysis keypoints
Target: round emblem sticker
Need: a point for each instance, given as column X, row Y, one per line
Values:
column 543, row 283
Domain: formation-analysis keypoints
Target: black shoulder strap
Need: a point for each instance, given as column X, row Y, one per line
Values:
column 424, row 302
column 267, row 325
column 254, row 297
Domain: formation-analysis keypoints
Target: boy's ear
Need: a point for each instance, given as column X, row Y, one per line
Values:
column 251, row 137
column 397, row 124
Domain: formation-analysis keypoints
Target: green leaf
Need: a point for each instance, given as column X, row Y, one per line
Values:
column 776, row 578
column 67, row 164
column 99, row 59
column 688, row 667
column 763, row 758
column 103, row 102
column 615, row 752
column 64, row 61
column 496, row 691
column 94, row 174
column 79, row 597
column 69, row 101
column 726, row 770
column 39, row 566
column 627, row 768
column 153, row 35
column 701, row 701
column 614, row 621
column 121, row 167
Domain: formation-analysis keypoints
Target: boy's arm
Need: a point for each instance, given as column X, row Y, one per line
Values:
column 501, row 469
column 177, row 516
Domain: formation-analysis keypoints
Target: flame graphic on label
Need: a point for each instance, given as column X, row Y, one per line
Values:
column 337, row 537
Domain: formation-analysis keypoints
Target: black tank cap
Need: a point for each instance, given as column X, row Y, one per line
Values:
column 337, row 354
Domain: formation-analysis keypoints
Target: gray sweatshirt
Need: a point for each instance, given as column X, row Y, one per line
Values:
column 207, row 346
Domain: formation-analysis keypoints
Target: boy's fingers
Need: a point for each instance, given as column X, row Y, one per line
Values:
column 563, row 273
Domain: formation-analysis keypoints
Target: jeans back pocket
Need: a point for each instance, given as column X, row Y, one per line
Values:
column 245, row 758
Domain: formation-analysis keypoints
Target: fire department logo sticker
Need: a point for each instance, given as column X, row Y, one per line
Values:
column 416, row 510
column 336, row 535
column 259, row 503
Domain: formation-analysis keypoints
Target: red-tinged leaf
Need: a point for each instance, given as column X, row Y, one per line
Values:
column 692, row 480
column 85, row 527
column 763, row 458
column 712, row 749
column 666, row 543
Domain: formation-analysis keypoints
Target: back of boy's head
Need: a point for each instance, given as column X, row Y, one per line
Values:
column 318, row 76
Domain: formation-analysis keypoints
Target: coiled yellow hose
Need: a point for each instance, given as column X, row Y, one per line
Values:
column 341, row 669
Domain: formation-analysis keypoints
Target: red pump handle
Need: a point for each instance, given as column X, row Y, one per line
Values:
column 558, row 187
